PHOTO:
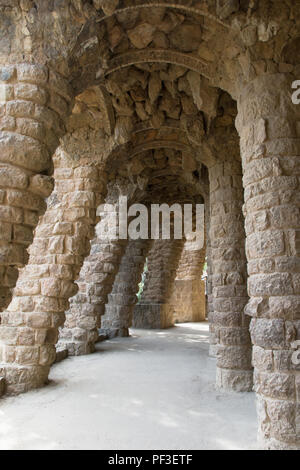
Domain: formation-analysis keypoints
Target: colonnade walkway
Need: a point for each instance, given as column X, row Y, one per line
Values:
column 154, row 390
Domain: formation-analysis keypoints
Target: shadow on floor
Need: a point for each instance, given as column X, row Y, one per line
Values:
column 154, row 390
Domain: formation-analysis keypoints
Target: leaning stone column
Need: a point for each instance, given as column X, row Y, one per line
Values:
column 80, row 331
column 29, row 327
column 228, row 264
column 268, row 124
column 34, row 102
column 123, row 297
column 153, row 309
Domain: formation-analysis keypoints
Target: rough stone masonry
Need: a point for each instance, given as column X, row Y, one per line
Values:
column 158, row 101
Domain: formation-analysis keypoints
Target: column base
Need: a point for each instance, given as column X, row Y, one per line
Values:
column 153, row 316
column 20, row 379
column 234, row 380
column 77, row 348
column 78, row 341
column 110, row 333
column 274, row 444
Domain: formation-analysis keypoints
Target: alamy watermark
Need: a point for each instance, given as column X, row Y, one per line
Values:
column 296, row 94
column 296, row 344
column 296, row 354
column 156, row 221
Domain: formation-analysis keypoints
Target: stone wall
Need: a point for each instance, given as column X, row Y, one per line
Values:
column 123, row 297
column 154, row 309
column 188, row 300
column 188, row 294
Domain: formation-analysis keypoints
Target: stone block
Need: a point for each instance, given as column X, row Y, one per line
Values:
column 268, row 333
column 32, row 73
column 275, row 385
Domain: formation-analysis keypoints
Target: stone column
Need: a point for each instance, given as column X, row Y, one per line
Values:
column 83, row 320
column 209, row 289
column 29, row 327
column 34, row 102
column 230, row 327
column 268, row 123
column 119, row 309
column 80, row 331
column 188, row 293
column 153, row 309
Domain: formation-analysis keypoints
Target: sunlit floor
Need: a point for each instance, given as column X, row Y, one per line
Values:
column 154, row 390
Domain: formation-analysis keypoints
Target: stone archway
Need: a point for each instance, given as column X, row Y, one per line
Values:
column 51, row 53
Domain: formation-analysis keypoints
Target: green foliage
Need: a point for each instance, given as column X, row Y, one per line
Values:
column 141, row 284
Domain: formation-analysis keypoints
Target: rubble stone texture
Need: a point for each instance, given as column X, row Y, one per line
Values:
column 29, row 326
column 158, row 101
column 83, row 320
